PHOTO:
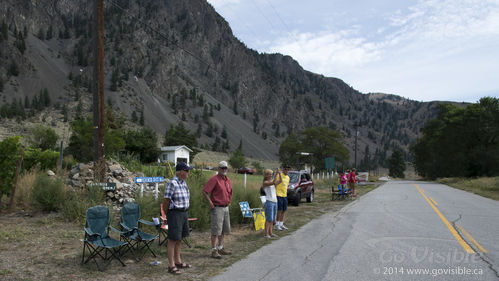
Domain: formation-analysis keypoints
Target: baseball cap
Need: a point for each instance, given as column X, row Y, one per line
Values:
column 222, row 164
column 181, row 166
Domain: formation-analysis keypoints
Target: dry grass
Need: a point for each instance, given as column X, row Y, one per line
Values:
column 486, row 187
column 42, row 246
column 22, row 197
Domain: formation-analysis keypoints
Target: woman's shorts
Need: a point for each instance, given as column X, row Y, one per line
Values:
column 270, row 211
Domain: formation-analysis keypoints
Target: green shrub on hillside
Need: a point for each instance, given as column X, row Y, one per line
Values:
column 10, row 151
column 78, row 201
column 48, row 194
column 47, row 159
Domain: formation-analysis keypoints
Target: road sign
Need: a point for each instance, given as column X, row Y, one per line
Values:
column 149, row 179
column 104, row 185
column 329, row 162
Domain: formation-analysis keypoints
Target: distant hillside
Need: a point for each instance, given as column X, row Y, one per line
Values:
column 178, row 61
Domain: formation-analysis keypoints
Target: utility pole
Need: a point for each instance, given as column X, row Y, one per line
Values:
column 98, row 91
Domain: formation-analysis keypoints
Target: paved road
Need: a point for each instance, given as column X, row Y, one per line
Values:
column 400, row 231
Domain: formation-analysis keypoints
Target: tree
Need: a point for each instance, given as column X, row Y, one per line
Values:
column 10, row 150
column 81, row 141
column 19, row 43
column 321, row 142
column 141, row 120
column 209, row 130
column 13, row 68
column 206, row 115
column 476, row 153
column 41, row 34
column 134, row 117
column 288, row 150
column 49, row 33
column 224, row 132
column 4, row 31
column 179, row 135
column 1, row 84
column 216, row 144
column 114, row 81
column 143, row 143
column 234, row 108
column 65, row 113
column 396, row 165
column 43, row 137
column 237, row 159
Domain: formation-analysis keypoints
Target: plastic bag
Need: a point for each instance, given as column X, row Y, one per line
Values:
column 259, row 219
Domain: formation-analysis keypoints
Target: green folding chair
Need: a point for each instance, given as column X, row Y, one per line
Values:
column 97, row 241
column 138, row 240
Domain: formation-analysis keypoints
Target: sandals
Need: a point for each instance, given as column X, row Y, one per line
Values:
column 183, row 265
column 174, row 270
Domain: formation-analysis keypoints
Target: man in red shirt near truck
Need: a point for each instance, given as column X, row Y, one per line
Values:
column 218, row 193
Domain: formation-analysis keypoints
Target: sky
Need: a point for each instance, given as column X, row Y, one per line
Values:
column 423, row 50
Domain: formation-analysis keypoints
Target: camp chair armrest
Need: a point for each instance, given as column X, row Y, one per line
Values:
column 116, row 230
column 90, row 232
column 146, row 222
column 256, row 209
column 126, row 227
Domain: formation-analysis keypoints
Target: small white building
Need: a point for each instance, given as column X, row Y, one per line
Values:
column 175, row 154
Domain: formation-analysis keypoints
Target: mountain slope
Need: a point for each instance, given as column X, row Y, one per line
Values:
column 177, row 60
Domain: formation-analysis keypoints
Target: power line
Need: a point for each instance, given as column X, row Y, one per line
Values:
column 275, row 11
column 245, row 23
column 262, row 13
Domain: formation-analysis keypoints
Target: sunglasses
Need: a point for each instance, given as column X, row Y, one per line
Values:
column 224, row 168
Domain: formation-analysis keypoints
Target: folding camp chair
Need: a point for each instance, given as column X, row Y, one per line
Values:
column 163, row 228
column 137, row 239
column 248, row 212
column 340, row 193
column 97, row 238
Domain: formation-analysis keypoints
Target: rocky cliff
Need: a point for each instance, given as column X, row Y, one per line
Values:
column 178, row 61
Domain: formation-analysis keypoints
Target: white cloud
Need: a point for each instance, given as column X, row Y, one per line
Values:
column 435, row 49
column 438, row 49
column 325, row 51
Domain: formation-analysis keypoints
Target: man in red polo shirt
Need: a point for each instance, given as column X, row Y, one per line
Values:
column 218, row 192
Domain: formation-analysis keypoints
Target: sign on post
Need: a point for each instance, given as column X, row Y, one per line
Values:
column 149, row 179
column 106, row 186
column 330, row 163
column 143, row 180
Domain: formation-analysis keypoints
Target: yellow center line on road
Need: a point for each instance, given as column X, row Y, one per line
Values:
column 433, row 201
column 452, row 230
column 479, row 247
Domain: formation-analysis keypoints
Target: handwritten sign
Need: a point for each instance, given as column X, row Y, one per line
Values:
column 104, row 185
column 149, row 179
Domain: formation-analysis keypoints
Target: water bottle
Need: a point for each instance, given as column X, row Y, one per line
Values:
column 155, row 263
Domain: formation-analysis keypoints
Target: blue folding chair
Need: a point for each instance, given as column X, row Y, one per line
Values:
column 248, row 212
column 97, row 240
column 137, row 239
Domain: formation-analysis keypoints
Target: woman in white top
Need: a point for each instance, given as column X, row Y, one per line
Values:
column 268, row 186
